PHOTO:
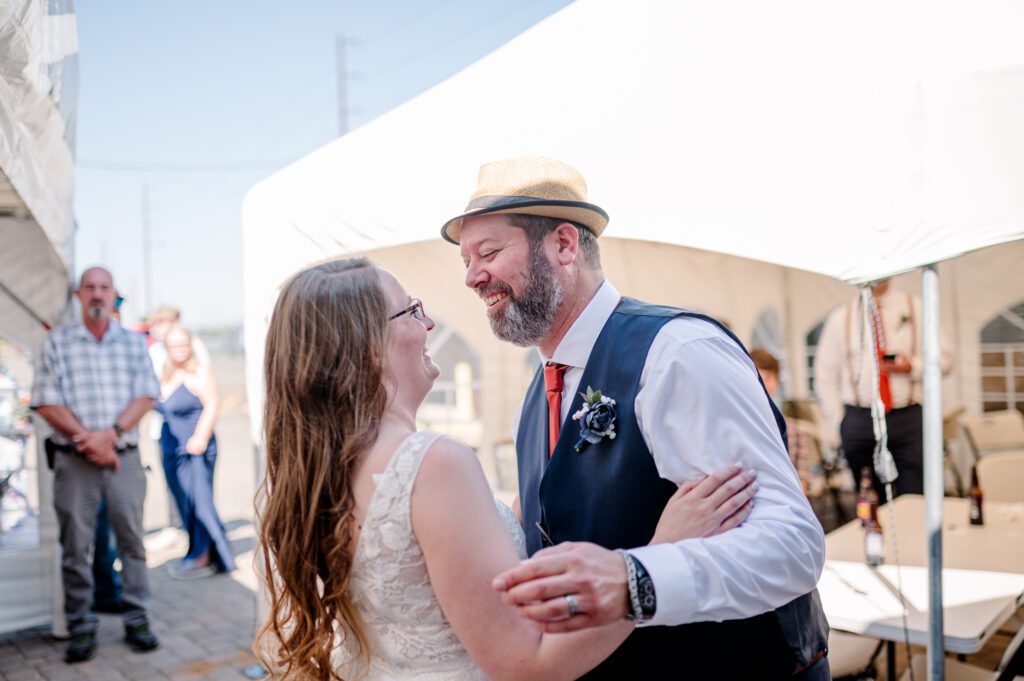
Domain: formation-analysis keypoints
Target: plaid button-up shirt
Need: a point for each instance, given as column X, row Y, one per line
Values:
column 95, row 379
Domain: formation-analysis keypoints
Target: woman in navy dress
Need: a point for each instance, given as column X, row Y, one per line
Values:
column 189, row 402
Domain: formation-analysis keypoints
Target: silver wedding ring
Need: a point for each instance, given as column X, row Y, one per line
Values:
column 573, row 605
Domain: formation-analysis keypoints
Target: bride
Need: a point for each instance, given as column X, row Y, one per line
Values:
column 379, row 542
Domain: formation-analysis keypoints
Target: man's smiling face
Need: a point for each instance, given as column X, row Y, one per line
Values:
column 516, row 281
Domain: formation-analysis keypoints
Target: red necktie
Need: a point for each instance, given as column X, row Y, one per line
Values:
column 553, row 386
column 883, row 375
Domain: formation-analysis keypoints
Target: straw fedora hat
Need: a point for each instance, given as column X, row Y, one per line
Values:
column 531, row 186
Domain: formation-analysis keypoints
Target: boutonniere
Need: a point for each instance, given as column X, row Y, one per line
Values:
column 596, row 417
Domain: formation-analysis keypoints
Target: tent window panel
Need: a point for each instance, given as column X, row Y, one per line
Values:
column 1002, row 360
column 993, row 384
column 811, row 343
column 993, row 359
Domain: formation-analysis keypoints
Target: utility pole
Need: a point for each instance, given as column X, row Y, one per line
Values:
column 341, row 68
column 147, row 251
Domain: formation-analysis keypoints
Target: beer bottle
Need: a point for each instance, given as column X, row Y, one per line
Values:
column 867, row 498
column 874, row 544
column 975, row 498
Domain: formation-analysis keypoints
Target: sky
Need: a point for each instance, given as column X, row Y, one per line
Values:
column 184, row 105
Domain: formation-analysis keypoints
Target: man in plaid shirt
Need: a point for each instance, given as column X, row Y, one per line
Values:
column 93, row 385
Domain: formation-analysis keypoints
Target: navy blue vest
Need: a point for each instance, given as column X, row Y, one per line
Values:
column 611, row 494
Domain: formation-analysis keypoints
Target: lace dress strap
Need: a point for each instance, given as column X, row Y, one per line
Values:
column 405, row 464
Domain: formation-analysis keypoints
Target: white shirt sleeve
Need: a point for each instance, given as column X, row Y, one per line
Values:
column 701, row 407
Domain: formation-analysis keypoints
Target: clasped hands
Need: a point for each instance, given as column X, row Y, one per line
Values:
column 899, row 365
column 97, row 446
column 597, row 576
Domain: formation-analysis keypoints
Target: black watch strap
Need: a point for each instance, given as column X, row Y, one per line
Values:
column 118, row 430
column 645, row 589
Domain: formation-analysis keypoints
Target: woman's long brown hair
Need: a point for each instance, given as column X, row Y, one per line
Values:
column 324, row 399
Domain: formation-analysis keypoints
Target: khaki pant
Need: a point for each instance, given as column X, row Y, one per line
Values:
column 77, row 488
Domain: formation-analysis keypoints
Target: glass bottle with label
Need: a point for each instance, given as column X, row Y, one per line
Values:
column 874, row 543
column 867, row 498
column 975, row 499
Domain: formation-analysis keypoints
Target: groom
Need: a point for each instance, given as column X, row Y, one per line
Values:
column 679, row 398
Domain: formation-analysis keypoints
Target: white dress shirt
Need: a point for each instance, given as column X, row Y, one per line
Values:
column 699, row 408
column 842, row 362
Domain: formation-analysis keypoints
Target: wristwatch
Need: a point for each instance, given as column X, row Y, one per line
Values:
column 645, row 587
column 118, row 430
column 642, row 602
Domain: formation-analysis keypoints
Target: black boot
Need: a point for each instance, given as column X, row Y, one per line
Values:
column 81, row 648
column 140, row 638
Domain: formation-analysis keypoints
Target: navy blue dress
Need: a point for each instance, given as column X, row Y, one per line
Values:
column 190, row 479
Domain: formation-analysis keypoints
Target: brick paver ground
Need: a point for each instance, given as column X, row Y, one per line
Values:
column 205, row 627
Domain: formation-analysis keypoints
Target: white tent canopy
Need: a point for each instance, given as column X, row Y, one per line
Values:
column 850, row 140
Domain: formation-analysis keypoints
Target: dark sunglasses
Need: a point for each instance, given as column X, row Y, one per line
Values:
column 416, row 310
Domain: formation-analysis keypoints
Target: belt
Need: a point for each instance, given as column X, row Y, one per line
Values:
column 867, row 410
column 70, row 449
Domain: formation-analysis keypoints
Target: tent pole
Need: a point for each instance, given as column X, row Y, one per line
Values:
column 933, row 470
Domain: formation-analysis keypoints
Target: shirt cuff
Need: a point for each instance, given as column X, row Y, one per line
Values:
column 672, row 577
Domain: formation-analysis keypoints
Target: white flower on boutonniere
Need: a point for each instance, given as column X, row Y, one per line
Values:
column 596, row 417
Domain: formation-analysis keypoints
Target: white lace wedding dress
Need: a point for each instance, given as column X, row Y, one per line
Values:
column 408, row 634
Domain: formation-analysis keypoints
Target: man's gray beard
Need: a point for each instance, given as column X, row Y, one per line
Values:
column 96, row 313
column 528, row 319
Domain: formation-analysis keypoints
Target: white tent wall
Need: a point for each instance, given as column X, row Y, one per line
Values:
column 974, row 288
column 977, row 286
column 734, row 289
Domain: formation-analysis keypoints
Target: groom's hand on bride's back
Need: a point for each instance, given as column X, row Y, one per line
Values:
column 597, row 577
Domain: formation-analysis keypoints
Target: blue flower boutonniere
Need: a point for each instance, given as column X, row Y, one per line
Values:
column 596, row 417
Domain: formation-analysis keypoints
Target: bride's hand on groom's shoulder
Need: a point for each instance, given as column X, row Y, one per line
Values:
column 709, row 506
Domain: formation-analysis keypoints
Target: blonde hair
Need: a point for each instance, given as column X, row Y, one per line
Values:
column 190, row 366
column 325, row 395
column 165, row 313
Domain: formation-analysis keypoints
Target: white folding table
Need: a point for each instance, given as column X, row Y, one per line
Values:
column 983, row 576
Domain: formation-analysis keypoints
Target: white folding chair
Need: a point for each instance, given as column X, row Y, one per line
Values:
column 1001, row 476
column 852, row 657
column 995, row 431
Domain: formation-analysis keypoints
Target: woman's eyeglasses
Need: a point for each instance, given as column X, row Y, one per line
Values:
column 416, row 310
